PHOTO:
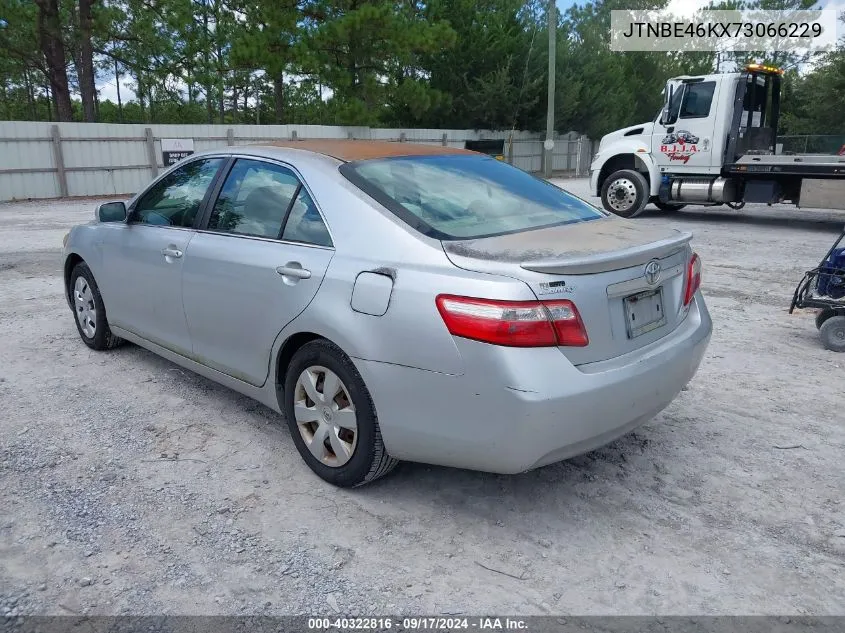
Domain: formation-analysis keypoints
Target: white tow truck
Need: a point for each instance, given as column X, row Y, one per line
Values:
column 714, row 142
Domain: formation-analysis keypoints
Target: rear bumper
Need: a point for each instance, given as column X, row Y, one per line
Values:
column 516, row 409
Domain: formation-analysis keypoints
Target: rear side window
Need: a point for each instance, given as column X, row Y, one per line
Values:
column 176, row 198
column 465, row 197
column 698, row 98
column 254, row 199
column 305, row 224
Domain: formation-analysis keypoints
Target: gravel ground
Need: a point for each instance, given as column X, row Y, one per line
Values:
column 128, row 485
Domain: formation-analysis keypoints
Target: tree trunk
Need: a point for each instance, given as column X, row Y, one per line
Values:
column 209, row 104
column 4, row 96
column 87, row 88
column 279, row 97
column 50, row 41
column 234, row 104
column 30, row 98
column 117, row 83
column 221, row 79
column 221, row 104
column 141, row 98
column 51, row 106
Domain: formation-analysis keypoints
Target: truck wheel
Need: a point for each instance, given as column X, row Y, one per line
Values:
column 625, row 193
column 668, row 207
column 832, row 334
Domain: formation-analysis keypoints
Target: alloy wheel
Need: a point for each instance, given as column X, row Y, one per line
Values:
column 622, row 194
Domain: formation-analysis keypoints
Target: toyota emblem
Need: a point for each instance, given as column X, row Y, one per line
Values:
column 652, row 272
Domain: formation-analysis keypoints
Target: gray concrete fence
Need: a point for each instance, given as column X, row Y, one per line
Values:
column 58, row 160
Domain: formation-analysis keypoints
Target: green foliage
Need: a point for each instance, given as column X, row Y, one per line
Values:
column 432, row 63
column 812, row 103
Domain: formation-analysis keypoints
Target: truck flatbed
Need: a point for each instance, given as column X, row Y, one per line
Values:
column 789, row 164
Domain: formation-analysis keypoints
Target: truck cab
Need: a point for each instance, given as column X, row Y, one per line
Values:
column 688, row 154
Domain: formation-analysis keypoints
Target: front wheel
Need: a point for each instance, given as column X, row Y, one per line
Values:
column 89, row 310
column 332, row 418
column 625, row 193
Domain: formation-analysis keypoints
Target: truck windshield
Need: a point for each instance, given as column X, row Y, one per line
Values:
column 452, row 197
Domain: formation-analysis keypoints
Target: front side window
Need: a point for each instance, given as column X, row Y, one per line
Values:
column 466, row 197
column 254, row 199
column 176, row 198
column 697, row 100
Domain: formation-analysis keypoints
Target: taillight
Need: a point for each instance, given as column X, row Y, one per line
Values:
column 513, row 323
column 693, row 280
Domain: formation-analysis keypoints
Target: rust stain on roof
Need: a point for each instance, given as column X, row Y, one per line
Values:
column 349, row 150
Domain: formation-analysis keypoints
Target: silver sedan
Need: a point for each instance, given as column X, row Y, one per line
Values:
column 397, row 302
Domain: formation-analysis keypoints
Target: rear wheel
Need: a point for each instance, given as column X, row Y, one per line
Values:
column 832, row 333
column 625, row 193
column 332, row 418
column 668, row 207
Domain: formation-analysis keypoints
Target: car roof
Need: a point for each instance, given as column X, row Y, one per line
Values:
column 351, row 150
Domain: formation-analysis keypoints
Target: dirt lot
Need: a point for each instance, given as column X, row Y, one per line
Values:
column 731, row 501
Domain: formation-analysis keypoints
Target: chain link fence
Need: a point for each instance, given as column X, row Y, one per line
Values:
column 812, row 144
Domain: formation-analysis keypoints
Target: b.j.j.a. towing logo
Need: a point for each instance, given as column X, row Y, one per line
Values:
column 681, row 145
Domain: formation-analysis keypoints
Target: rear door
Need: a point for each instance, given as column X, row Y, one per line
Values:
column 256, row 263
column 143, row 258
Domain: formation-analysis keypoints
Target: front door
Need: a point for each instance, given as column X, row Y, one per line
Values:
column 684, row 141
column 143, row 282
column 252, row 268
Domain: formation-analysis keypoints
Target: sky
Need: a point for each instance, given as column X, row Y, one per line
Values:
column 108, row 90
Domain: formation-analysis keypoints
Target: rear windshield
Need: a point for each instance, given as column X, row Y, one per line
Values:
column 457, row 197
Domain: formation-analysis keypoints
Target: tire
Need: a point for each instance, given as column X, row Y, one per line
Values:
column 668, row 207
column 346, row 459
column 832, row 333
column 625, row 193
column 89, row 311
column 823, row 315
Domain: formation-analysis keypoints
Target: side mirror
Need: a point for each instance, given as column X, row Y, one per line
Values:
column 111, row 212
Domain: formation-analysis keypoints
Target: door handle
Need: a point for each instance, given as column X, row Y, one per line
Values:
column 293, row 269
column 171, row 252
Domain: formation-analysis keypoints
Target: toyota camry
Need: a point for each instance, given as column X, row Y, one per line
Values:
column 397, row 302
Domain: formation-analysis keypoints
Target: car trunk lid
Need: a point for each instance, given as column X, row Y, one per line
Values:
column 600, row 266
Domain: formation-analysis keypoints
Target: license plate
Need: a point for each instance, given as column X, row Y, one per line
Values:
column 644, row 312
